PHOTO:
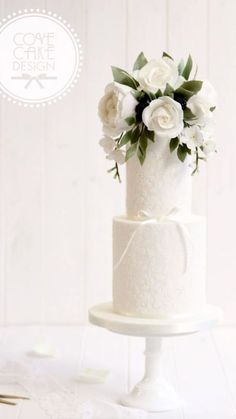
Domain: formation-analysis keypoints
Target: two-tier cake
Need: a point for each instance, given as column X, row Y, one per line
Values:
column 160, row 123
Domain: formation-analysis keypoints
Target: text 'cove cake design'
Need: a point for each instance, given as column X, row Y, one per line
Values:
column 160, row 123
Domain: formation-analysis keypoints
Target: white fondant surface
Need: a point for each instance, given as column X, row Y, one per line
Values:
column 159, row 267
column 162, row 183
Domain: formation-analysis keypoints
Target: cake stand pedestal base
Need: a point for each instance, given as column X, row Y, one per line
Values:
column 153, row 393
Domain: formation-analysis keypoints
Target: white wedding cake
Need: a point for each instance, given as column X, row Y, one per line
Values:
column 158, row 126
column 159, row 248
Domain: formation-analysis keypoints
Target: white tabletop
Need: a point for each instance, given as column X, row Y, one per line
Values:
column 202, row 367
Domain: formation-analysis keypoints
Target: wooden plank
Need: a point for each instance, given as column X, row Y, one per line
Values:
column 204, row 369
column 224, row 341
column 57, row 373
column 64, row 193
column 222, row 173
column 44, row 186
column 25, row 409
column 151, row 36
column 200, row 379
column 106, row 23
column 23, row 136
column 185, row 18
column 23, row 213
column 106, row 351
column 2, row 204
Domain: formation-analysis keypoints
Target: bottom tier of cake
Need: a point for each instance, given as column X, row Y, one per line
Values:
column 159, row 266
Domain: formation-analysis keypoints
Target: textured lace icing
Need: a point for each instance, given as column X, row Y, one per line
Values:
column 172, row 216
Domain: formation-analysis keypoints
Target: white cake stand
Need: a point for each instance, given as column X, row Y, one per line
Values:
column 153, row 393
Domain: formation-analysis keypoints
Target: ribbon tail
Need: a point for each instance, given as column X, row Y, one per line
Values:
column 117, row 264
column 28, row 83
column 183, row 234
column 186, row 242
column 125, row 250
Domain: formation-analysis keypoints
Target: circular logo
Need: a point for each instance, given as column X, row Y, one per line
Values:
column 41, row 57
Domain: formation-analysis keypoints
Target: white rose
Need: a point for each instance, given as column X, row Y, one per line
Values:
column 117, row 104
column 164, row 116
column 117, row 155
column 157, row 73
column 108, row 144
column 201, row 103
column 192, row 137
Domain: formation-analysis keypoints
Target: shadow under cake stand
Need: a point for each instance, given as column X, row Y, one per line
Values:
column 153, row 393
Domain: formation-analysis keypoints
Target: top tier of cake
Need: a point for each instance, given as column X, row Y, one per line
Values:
column 161, row 185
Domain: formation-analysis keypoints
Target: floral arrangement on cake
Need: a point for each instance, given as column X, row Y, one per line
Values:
column 157, row 101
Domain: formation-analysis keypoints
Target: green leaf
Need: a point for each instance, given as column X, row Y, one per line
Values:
column 132, row 136
column 168, row 90
column 174, row 142
column 122, row 77
column 137, row 94
column 188, row 68
column 212, row 108
column 189, row 88
column 158, row 94
column 184, row 92
column 152, row 95
column 140, row 62
column 188, row 115
column 181, row 152
column 192, row 86
column 135, row 135
column 150, row 135
column 142, row 147
column 164, row 54
column 181, row 67
column 130, row 120
column 125, row 139
column 131, row 151
column 143, row 142
column 141, row 155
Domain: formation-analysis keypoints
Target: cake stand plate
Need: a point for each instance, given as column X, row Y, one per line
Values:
column 153, row 393
column 104, row 316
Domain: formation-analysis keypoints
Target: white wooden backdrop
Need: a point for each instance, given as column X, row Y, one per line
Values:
column 56, row 200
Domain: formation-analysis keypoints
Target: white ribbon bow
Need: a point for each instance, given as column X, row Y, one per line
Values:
column 145, row 218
